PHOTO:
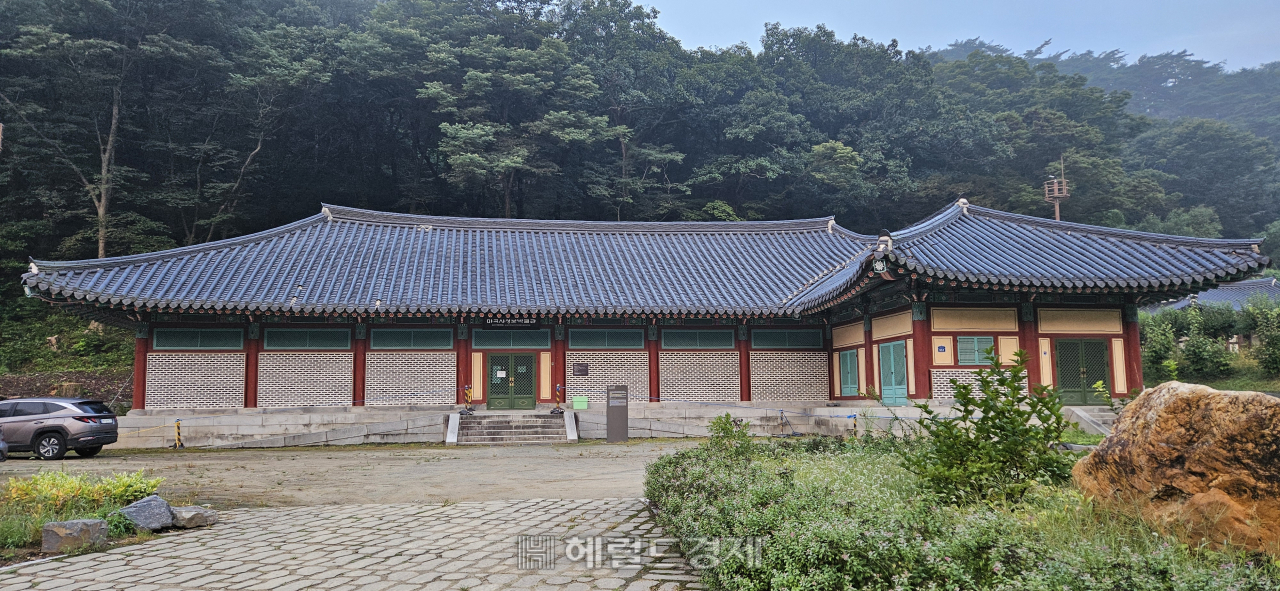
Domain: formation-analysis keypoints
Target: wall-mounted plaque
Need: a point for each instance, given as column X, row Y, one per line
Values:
column 581, row 369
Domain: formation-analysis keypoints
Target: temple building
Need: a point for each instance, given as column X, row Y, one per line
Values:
column 355, row 307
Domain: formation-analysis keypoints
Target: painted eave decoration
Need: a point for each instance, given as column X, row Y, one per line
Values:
column 352, row 261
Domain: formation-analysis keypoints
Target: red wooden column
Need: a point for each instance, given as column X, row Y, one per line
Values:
column 252, row 346
column 833, row 380
column 141, row 345
column 922, row 350
column 462, row 342
column 654, row 394
column 358, row 363
column 1132, row 349
column 872, row 367
column 744, row 363
column 559, row 365
column 1029, row 341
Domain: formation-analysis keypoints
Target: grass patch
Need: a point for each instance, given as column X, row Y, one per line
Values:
column 1079, row 437
column 839, row 515
column 1245, row 375
column 27, row 503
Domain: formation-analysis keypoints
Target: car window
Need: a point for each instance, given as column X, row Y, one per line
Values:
column 25, row 409
column 52, row 407
column 94, row 407
column 6, row 408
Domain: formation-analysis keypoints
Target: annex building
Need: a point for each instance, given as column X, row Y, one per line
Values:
column 354, row 307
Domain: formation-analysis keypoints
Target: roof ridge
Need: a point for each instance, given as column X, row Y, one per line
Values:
column 352, row 214
column 131, row 259
column 1112, row 232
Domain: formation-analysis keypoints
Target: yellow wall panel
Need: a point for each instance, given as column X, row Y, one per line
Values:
column 1119, row 381
column 911, row 367
column 943, row 351
column 848, row 335
column 974, row 319
column 1080, row 321
column 544, row 375
column 1046, row 362
column 893, row 325
column 1008, row 346
column 478, row 374
column 875, row 371
column 862, row 371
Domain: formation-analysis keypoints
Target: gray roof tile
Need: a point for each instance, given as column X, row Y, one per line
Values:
column 351, row 260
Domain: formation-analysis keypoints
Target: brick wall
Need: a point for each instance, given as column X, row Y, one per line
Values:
column 941, row 379
column 799, row 375
column 699, row 376
column 195, row 380
column 608, row 368
column 304, row 379
column 410, row 378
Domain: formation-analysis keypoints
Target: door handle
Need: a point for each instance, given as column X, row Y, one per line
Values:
column 37, row 422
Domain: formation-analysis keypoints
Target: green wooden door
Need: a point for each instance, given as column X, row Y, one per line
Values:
column 893, row 373
column 1080, row 365
column 512, row 381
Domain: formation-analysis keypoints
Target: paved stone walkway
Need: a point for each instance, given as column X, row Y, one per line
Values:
column 589, row 544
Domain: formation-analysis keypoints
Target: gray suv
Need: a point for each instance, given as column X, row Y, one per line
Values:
column 48, row 427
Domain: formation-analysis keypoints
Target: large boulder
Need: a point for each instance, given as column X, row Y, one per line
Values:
column 187, row 517
column 66, row 536
column 1196, row 462
column 151, row 513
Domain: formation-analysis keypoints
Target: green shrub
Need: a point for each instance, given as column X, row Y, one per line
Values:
column 1204, row 356
column 730, row 437
column 1159, row 350
column 26, row 504
column 838, row 515
column 996, row 444
column 1266, row 325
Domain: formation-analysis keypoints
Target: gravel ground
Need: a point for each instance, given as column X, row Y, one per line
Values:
column 344, row 475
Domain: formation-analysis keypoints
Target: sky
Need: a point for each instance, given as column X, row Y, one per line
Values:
column 1240, row 33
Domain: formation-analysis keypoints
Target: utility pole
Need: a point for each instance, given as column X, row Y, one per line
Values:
column 1055, row 189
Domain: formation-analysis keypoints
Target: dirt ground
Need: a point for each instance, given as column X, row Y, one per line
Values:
column 344, row 475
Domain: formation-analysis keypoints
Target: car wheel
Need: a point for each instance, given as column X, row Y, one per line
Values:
column 51, row 446
column 88, row 452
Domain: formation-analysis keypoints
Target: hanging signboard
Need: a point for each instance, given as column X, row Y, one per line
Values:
column 511, row 322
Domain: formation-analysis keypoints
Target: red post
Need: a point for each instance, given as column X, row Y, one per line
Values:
column 140, row 347
column 251, row 349
column 833, row 381
column 744, row 369
column 559, row 364
column 357, row 372
column 922, row 350
column 1133, row 355
column 463, row 347
column 1029, row 341
column 654, row 394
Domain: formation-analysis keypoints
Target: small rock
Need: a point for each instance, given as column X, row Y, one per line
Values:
column 64, row 536
column 185, row 517
column 151, row 513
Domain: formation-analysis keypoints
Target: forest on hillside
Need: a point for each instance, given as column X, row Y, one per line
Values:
column 137, row 125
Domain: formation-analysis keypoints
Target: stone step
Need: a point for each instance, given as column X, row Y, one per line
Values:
column 505, row 439
column 470, row 433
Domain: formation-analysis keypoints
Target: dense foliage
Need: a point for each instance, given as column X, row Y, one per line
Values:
column 27, row 503
column 838, row 515
column 136, row 125
column 996, row 441
column 1191, row 343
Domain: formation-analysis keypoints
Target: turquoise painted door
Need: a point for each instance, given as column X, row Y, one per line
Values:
column 893, row 373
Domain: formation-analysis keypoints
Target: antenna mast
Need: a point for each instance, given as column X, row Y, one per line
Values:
column 1055, row 189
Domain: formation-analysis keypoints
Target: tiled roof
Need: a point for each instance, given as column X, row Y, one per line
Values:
column 351, row 260
column 1237, row 294
column 967, row 244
